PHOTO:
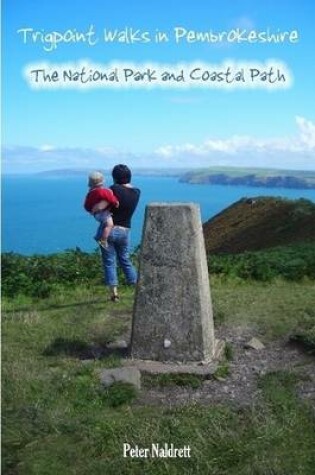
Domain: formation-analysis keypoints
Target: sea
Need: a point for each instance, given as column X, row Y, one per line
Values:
column 44, row 214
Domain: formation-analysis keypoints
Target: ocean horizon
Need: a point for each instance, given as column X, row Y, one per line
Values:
column 45, row 215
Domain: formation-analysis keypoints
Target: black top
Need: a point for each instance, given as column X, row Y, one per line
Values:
column 128, row 199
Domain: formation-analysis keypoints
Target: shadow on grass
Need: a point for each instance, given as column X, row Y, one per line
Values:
column 304, row 342
column 57, row 306
column 50, row 307
column 82, row 350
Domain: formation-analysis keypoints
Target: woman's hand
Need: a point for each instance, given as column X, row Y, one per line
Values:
column 100, row 206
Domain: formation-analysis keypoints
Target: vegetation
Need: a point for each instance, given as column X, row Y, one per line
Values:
column 306, row 337
column 222, row 371
column 293, row 262
column 253, row 224
column 57, row 319
column 58, row 419
column 41, row 275
column 120, row 393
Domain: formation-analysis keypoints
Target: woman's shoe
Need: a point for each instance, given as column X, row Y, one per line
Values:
column 114, row 298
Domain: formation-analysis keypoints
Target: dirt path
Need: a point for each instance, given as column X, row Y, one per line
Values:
column 241, row 385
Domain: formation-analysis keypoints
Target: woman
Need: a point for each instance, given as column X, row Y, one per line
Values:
column 118, row 239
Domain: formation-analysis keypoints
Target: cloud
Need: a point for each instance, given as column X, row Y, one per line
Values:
column 291, row 152
column 33, row 159
column 46, row 148
column 307, row 132
column 244, row 22
column 296, row 152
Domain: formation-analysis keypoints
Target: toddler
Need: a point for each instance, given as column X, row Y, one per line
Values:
column 99, row 202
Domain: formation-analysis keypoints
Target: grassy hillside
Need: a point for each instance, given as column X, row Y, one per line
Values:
column 260, row 223
column 255, row 415
column 58, row 419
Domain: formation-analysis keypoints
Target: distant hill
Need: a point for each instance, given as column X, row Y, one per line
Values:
column 256, row 177
column 252, row 224
column 170, row 172
column 64, row 172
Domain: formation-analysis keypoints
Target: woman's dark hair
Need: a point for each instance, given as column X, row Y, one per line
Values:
column 121, row 174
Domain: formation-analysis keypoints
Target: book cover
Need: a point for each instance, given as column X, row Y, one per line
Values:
column 200, row 117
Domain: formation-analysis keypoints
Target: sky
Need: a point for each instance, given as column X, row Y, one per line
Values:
column 186, row 123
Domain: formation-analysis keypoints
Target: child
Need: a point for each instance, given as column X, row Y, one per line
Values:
column 98, row 202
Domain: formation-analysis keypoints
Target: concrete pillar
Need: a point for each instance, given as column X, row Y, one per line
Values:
column 172, row 316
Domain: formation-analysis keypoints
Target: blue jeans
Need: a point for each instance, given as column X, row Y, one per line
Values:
column 118, row 247
column 101, row 217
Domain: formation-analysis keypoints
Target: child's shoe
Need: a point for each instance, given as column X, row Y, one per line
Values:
column 103, row 243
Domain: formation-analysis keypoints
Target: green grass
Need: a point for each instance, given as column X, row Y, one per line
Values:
column 120, row 393
column 222, row 371
column 276, row 309
column 58, row 419
column 228, row 351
